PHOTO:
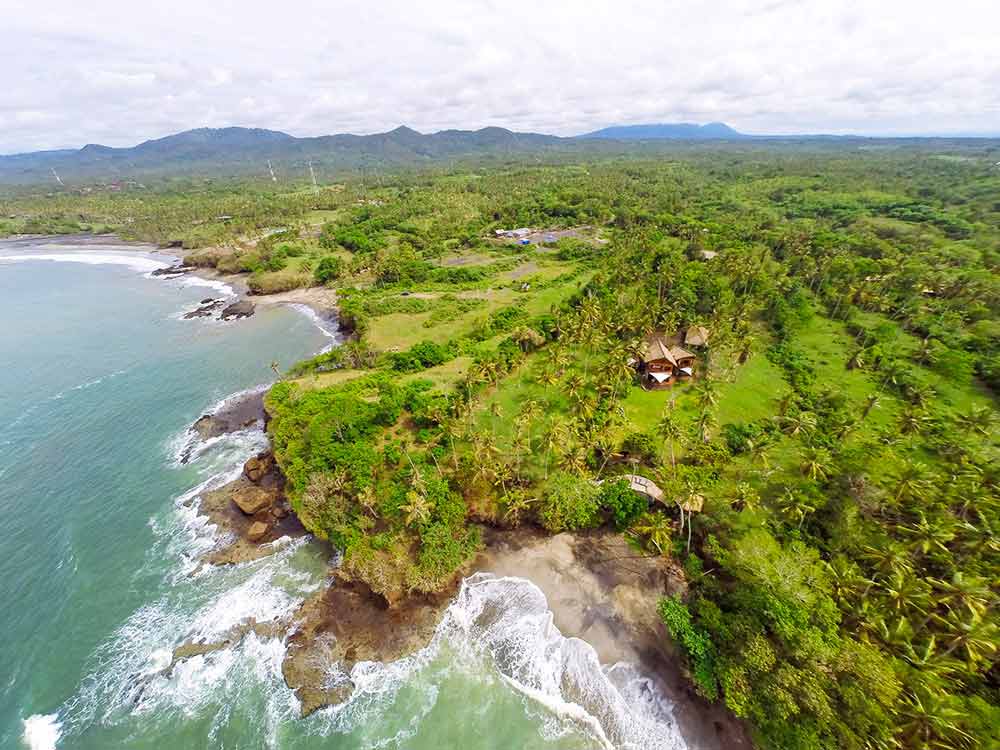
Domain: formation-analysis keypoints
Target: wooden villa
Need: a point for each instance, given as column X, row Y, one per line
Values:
column 663, row 364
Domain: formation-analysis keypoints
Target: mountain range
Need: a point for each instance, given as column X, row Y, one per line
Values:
column 238, row 151
column 254, row 152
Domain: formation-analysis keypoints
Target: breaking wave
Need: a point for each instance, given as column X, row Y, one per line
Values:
column 133, row 674
column 132, row 260
column 503, row 625
column 220, row 286
column 327, row 327
column 41, row 731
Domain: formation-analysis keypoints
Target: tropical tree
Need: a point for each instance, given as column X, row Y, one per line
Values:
column 655, row 528
column 816, row 463
column 417, row 508
column 670, row 431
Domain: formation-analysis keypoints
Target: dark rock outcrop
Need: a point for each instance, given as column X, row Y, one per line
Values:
column 242, row 309
column 205, row 310
column 348, row 623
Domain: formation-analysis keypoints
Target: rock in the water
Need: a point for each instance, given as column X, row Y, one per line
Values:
column 256, row 467
column 253, row 499
column 258, row 530
column 205, row 311
column 176, row 270
column 242, row 309
column 210, row 426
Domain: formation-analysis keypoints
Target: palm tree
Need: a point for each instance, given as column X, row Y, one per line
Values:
column 977, row 638
column 758, row 450
column 549, row 376
column 708, row 393
column 913, row 420
column 911, row 481
column 970, row 595
column 847, row 581
column 795, row 506
column 859, row 358
column 816, row 463
column 366, row 499
column 930, row 535
column 671, row 432
column 745, row 497
column 655, row 527
column 904, row 593
column 978, row 419
column 930, row 720
column 798, row 423
column 517, row 503
column 871, row 402
column 574, row 384
column 556, row 440
column 706, row 421
column 495, row 413
column 417, row 508
column 574, row 460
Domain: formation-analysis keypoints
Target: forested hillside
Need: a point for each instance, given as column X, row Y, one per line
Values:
column 829, row 469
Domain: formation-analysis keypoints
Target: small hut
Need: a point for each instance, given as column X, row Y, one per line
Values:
column 696, row 336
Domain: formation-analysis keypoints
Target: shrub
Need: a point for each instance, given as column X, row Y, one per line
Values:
column 277, row 281
column 624, row 503
column 570, row 503
column 329, row 268
column 695, row 642
column 641, row 444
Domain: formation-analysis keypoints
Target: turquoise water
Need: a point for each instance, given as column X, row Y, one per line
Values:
column 100, row 533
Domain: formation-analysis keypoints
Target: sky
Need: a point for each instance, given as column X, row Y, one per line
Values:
column 118, row 72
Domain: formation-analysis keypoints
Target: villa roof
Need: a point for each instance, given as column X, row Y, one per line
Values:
column 696, row 336
column 656, row 349
column 680, row 354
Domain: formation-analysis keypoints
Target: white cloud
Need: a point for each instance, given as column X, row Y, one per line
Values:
column 114, row 72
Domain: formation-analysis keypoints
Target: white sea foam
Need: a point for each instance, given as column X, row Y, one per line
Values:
column 220, row 286
column 503, row 626
column 325, row 326
column 136, row 262
column 188, row 445
column 88, row 384
column 508, row 620
column 42, row 731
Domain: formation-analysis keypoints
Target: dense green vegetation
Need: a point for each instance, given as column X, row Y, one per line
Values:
column 843, row 570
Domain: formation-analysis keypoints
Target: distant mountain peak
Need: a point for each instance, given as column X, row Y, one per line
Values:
column 678, row 130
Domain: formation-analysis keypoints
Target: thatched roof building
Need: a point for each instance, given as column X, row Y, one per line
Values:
column 696, row 336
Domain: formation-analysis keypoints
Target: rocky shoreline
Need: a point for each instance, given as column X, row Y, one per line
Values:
column 597, row 586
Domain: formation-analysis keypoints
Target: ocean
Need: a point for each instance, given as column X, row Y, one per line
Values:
column 100, row 537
